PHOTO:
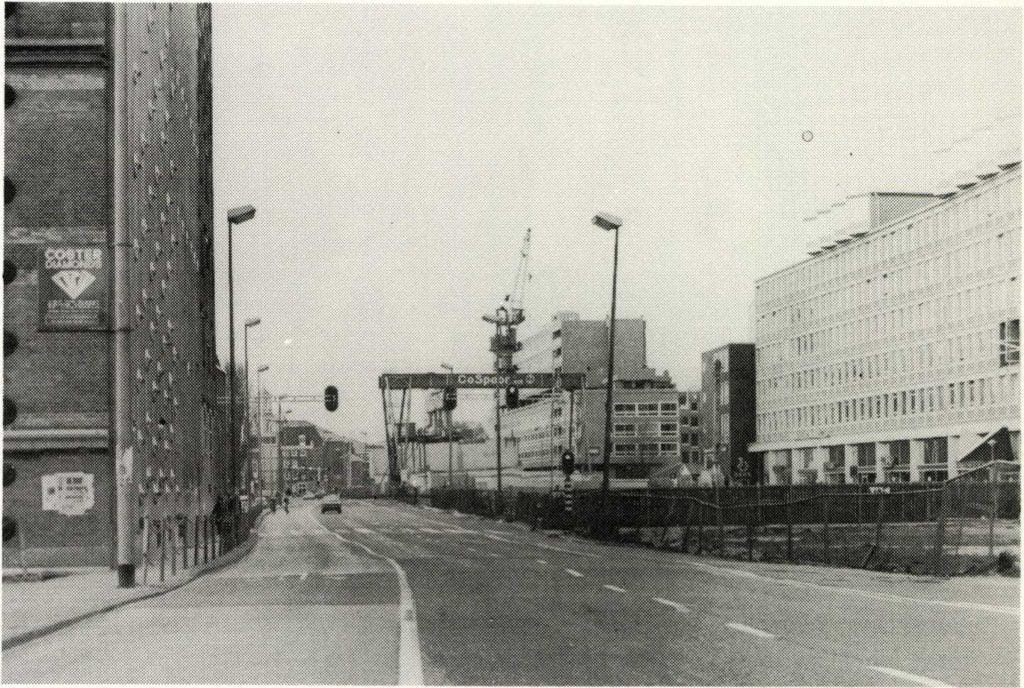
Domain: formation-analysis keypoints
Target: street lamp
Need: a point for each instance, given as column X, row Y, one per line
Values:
column 259, row 425
column 448, row 423
column 610, row 223
column 251, row 322
column 236, row 216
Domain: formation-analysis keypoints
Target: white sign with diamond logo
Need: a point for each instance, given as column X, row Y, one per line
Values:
column 73, row 288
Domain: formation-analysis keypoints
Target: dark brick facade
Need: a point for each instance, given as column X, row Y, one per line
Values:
column 58, row 157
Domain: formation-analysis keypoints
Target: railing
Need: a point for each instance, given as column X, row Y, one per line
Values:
column 942, row 529
column 184, row 542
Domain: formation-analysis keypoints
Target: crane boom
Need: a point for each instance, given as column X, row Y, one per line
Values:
column 515, row 298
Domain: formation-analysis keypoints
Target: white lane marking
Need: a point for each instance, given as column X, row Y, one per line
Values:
column 541, row 561
column 408, row 530
column 458, row 531
column 669, row 603
column 493, row 554
column 304, row 576
column 752, row 631
column 364, row 531
column 543, row 546
column 886, row 597
column 615, row 588
column 432, row 531
column 410, row 656
column 913, row 678
column 573, row 572
column 472, row 549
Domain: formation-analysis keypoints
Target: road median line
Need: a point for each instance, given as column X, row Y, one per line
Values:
column 614, row 588
column 914, row 678
column 669, row 603
column 410, row 656
column 750, row 630
column 574, row 572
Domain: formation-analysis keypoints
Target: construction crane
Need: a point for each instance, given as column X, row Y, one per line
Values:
column 514, row 299
column 504, row 343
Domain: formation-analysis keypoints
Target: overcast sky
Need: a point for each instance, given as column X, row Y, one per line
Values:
column 397, row 154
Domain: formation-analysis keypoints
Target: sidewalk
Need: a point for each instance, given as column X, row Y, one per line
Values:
column 34, row 608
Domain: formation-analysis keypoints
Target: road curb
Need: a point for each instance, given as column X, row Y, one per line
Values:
column 231, row 557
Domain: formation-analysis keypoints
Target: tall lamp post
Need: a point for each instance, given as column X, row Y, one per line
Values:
column 236, row 216
column 259, row 425
column 252, row 322
column 609, row 223
column 448, row 425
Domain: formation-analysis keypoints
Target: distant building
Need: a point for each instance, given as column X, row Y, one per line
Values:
column 645, row 424
column 302, row 446
column 689, row 429
column 345, row 463
column 63, row 133
column 727, row 412
column 893, row 352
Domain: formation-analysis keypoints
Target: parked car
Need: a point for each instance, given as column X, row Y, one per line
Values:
column 320, row 494
column 309, row 495
column 330, row 503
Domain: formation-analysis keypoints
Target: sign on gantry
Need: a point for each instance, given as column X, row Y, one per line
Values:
column 397, row 381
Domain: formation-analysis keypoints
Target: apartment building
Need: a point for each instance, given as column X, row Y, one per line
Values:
column 892, row 353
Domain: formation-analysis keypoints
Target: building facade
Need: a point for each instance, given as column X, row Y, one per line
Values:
column 689, row 429
column 645, row 423
column 727, row 413
column 78, row 160
column 892, row 353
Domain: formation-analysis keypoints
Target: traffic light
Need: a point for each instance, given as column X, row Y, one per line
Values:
column 511, row 397
column 450, row 398
column 568, row 463
column 331, row 398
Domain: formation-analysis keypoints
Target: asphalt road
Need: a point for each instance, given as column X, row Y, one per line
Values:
column 387, row 590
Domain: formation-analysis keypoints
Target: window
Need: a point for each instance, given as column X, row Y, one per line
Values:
column 625, row 449
column 624, row 410
column 1009, row 342
column 669, row 428
column 648, row 410
column 625, row 429
column 669, row 409
column 668, row 448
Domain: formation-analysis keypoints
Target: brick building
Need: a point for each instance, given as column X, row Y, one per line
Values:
column 64, row 141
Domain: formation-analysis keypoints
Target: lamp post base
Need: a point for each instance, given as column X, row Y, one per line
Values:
column 126, row 575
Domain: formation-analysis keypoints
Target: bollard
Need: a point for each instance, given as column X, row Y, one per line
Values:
column 162, row 543
column 195, row 541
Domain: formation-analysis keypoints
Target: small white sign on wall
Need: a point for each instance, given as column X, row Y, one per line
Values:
column 71, row 494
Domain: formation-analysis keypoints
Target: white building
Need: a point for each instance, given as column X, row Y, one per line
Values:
column 893, row 352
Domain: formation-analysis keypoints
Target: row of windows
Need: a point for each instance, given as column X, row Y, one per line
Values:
column 630, row 430
column 929, row 274
column 1002, row 342
column 652, row 409
column 990, row 298
column 691, row 438
column 646, row 449
column 968, row 213
column 966, row 394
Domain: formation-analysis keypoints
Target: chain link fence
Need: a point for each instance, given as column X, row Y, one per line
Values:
column 944, row 529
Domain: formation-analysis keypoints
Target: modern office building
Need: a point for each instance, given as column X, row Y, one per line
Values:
column 645, row 423
column 107, row 130
column 727, row 413
column 892, row 353
column 689, row 429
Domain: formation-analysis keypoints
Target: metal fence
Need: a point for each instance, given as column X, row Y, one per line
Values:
column 942, row 529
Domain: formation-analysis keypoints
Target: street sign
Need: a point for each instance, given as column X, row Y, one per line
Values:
column 395, row 381
column 73, row 288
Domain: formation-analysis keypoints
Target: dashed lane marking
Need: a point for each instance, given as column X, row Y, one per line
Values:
column 493, row 554
column 541, row 561
column 574, row 572
column 913, row 678
column 304, row 576
column 615, row 588
column 364, row 531
column 752, row 631
column 669, row 603
column 542, row 546
column 432, row 531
